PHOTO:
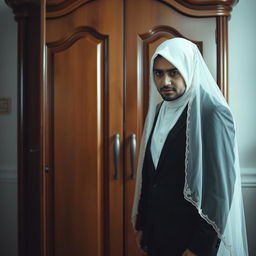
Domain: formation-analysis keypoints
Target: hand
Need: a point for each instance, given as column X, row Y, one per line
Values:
column 138, row 241
column 188, row 253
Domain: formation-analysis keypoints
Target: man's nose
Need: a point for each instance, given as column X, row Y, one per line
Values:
column 167, row 80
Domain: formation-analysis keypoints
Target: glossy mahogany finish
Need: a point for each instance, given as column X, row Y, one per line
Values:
column 58, row 8
column 222, row 54
column 84, row 88
column 77, row 144
column 202, row 8
column 197, row 8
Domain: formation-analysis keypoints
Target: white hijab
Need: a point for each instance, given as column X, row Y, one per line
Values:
column 212, row 172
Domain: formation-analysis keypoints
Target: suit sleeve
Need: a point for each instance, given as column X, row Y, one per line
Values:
column 205, row 240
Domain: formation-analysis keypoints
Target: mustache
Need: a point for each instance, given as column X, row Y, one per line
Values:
column 167, row 87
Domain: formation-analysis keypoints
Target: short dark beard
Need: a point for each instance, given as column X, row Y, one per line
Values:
column 168, row 87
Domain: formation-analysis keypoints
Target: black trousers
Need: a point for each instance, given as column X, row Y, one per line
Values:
column 156, row 249
column 169, row 234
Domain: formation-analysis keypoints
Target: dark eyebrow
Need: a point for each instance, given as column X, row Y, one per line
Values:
column 165, row 70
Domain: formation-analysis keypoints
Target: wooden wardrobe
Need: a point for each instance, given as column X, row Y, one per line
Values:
column 83, row 70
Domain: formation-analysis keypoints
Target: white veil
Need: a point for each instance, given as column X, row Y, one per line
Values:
column 212, row 172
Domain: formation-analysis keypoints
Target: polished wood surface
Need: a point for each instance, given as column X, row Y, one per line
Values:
column 202, row 8
column 222, row 54
column 197, row 8
column 78, row 144
column 58, row 8
column 85, row 215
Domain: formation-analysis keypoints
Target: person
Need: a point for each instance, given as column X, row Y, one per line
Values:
column 188, row 199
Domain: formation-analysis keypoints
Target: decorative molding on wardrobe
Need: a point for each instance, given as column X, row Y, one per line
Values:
column 55, row 10
column 202, row 8
column 194, row 8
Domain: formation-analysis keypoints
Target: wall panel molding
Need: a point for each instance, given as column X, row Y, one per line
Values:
column 8, row 175
column 248, row 177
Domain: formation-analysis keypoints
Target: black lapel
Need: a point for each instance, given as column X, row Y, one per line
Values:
column 172, row 134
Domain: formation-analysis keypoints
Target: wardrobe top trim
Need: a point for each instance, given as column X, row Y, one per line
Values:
column 194, row 8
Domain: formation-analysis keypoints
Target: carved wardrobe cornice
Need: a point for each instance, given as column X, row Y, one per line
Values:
column 203, row 8
column 20, row 8
column 196, row 8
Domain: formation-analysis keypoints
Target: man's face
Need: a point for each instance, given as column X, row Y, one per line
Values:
column 168, row 79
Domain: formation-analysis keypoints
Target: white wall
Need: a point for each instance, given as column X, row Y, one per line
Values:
column 242, row 91
column 242, row 82
column 8, row 87
column 8, row 133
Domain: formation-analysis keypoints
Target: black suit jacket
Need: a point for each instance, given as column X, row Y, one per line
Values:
column 164, row 216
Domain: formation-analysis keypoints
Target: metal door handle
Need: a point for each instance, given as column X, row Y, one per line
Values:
column 116, row 154
column 133, row 154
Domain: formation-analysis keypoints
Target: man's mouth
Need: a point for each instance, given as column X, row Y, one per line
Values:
column 168, row 89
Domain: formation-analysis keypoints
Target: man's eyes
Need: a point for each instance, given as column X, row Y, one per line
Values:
column 174, row 73
column 171, row 73
column 158, row 73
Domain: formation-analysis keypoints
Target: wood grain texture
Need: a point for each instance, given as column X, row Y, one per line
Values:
column 88, row 215
column 58, row 8
column 210, row 2
column 222, row 54
column 201, row 8
column 197, row 8
column 78, row 141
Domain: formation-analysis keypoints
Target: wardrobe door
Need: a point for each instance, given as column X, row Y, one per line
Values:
column 83, row 125
column 147, row 24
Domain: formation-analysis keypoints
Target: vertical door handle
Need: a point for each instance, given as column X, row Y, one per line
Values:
column 133, row 154
column 116, row 154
